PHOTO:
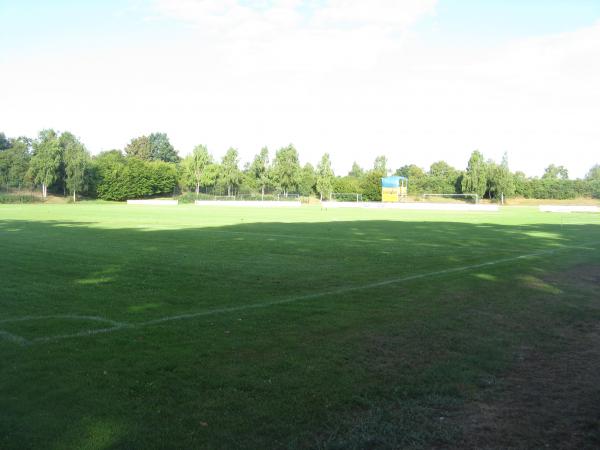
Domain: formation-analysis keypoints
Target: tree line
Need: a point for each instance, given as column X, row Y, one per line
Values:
column 148, row 166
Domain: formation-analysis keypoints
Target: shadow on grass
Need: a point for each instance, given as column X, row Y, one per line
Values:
column 363, row 368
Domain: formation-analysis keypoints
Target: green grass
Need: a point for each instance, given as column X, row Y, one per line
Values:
column 349, row 367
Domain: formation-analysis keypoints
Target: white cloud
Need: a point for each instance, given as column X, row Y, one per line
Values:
column 391, row 15
column 348, row 79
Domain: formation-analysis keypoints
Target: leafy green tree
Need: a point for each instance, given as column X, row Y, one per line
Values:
column 594, row 173
column 76, row 161
column 356, row 170
column 307, row 180
column 441, row 179
column 260, row 170
column 380, row 165
column 128, row 178
column 347, row 185
column 195, row 164
column 325, row 177
column 14, row 162
column 230, row 171
column 139, row 147
column 286, row 168
column 522, row 185
column 210, row 176
column 500, row 179
column 475, row 178
column 594, row 187
column 553, row 172
column 5, row 143
column 370, row 185
column 155, row 147
column 161, row 148
column 46, row 159
column 416, row 177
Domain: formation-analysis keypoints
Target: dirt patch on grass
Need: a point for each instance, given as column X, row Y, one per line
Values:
column 587, row 274
column 547, row 401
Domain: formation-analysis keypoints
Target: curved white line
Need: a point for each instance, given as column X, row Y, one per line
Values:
column 63, row 316
column 13, row 338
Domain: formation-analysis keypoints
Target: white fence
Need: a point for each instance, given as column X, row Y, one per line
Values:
column 250, row 203
column 153, row 202
column 414, row 206
column 569, row 208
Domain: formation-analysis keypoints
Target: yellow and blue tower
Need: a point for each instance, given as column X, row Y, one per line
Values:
column 393, row 189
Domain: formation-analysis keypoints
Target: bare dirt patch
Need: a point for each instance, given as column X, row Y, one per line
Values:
column 586, row 274
column 549, row 399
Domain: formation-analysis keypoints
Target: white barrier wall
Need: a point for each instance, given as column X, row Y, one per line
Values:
column 569, row 208
column 153, row 202
column 250, row 203
column 414, row 206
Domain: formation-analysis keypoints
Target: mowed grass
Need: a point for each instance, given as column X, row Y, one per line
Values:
column 186, row 327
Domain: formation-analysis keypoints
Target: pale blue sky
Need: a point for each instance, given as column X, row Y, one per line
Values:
column 481, row 22
column 418, row 80
column 27, row 23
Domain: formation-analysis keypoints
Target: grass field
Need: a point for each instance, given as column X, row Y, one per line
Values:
column 183, row 327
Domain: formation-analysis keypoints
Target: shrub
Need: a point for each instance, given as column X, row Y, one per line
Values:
column 134, row 178
column 19, row 198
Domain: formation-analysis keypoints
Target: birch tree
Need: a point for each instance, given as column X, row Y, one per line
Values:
column 45, row 160
column 195, row 165
column 325, row 177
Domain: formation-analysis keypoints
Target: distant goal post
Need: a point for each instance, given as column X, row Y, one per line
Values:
column 251, row 197
column 345, row 197
column 469, row 198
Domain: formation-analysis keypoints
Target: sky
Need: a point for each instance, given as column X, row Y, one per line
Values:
column 416, row 80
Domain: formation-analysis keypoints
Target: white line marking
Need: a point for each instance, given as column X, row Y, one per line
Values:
column 64, row 316
column 83, row 333
column 342, row 290
column 348, row 239
column 121, row 325
column 13, row 338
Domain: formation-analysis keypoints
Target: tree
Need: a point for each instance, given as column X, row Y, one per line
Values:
column 594, row 173
column 195, row 164
column 259, row 169
column 230, row 170
column 347, row 185
column 442, row 178
column 286, row 168
column 307, row 180
column 14, row 162
column 45, row 160
column 500, row 180
column 356, row 171
column 76, row 159
column 5, row 143
column 161, row 148
column 139, row 147
column 522, row 184
column 210, row 175
column 553, row 172
column 475, row 178
column 415, row 175
column 370, row 185
column 380, row 165
column 325, row 177
column 127, row 178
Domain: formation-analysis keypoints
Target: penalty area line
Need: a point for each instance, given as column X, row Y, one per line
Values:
column 332, row 292
column 347, row 289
